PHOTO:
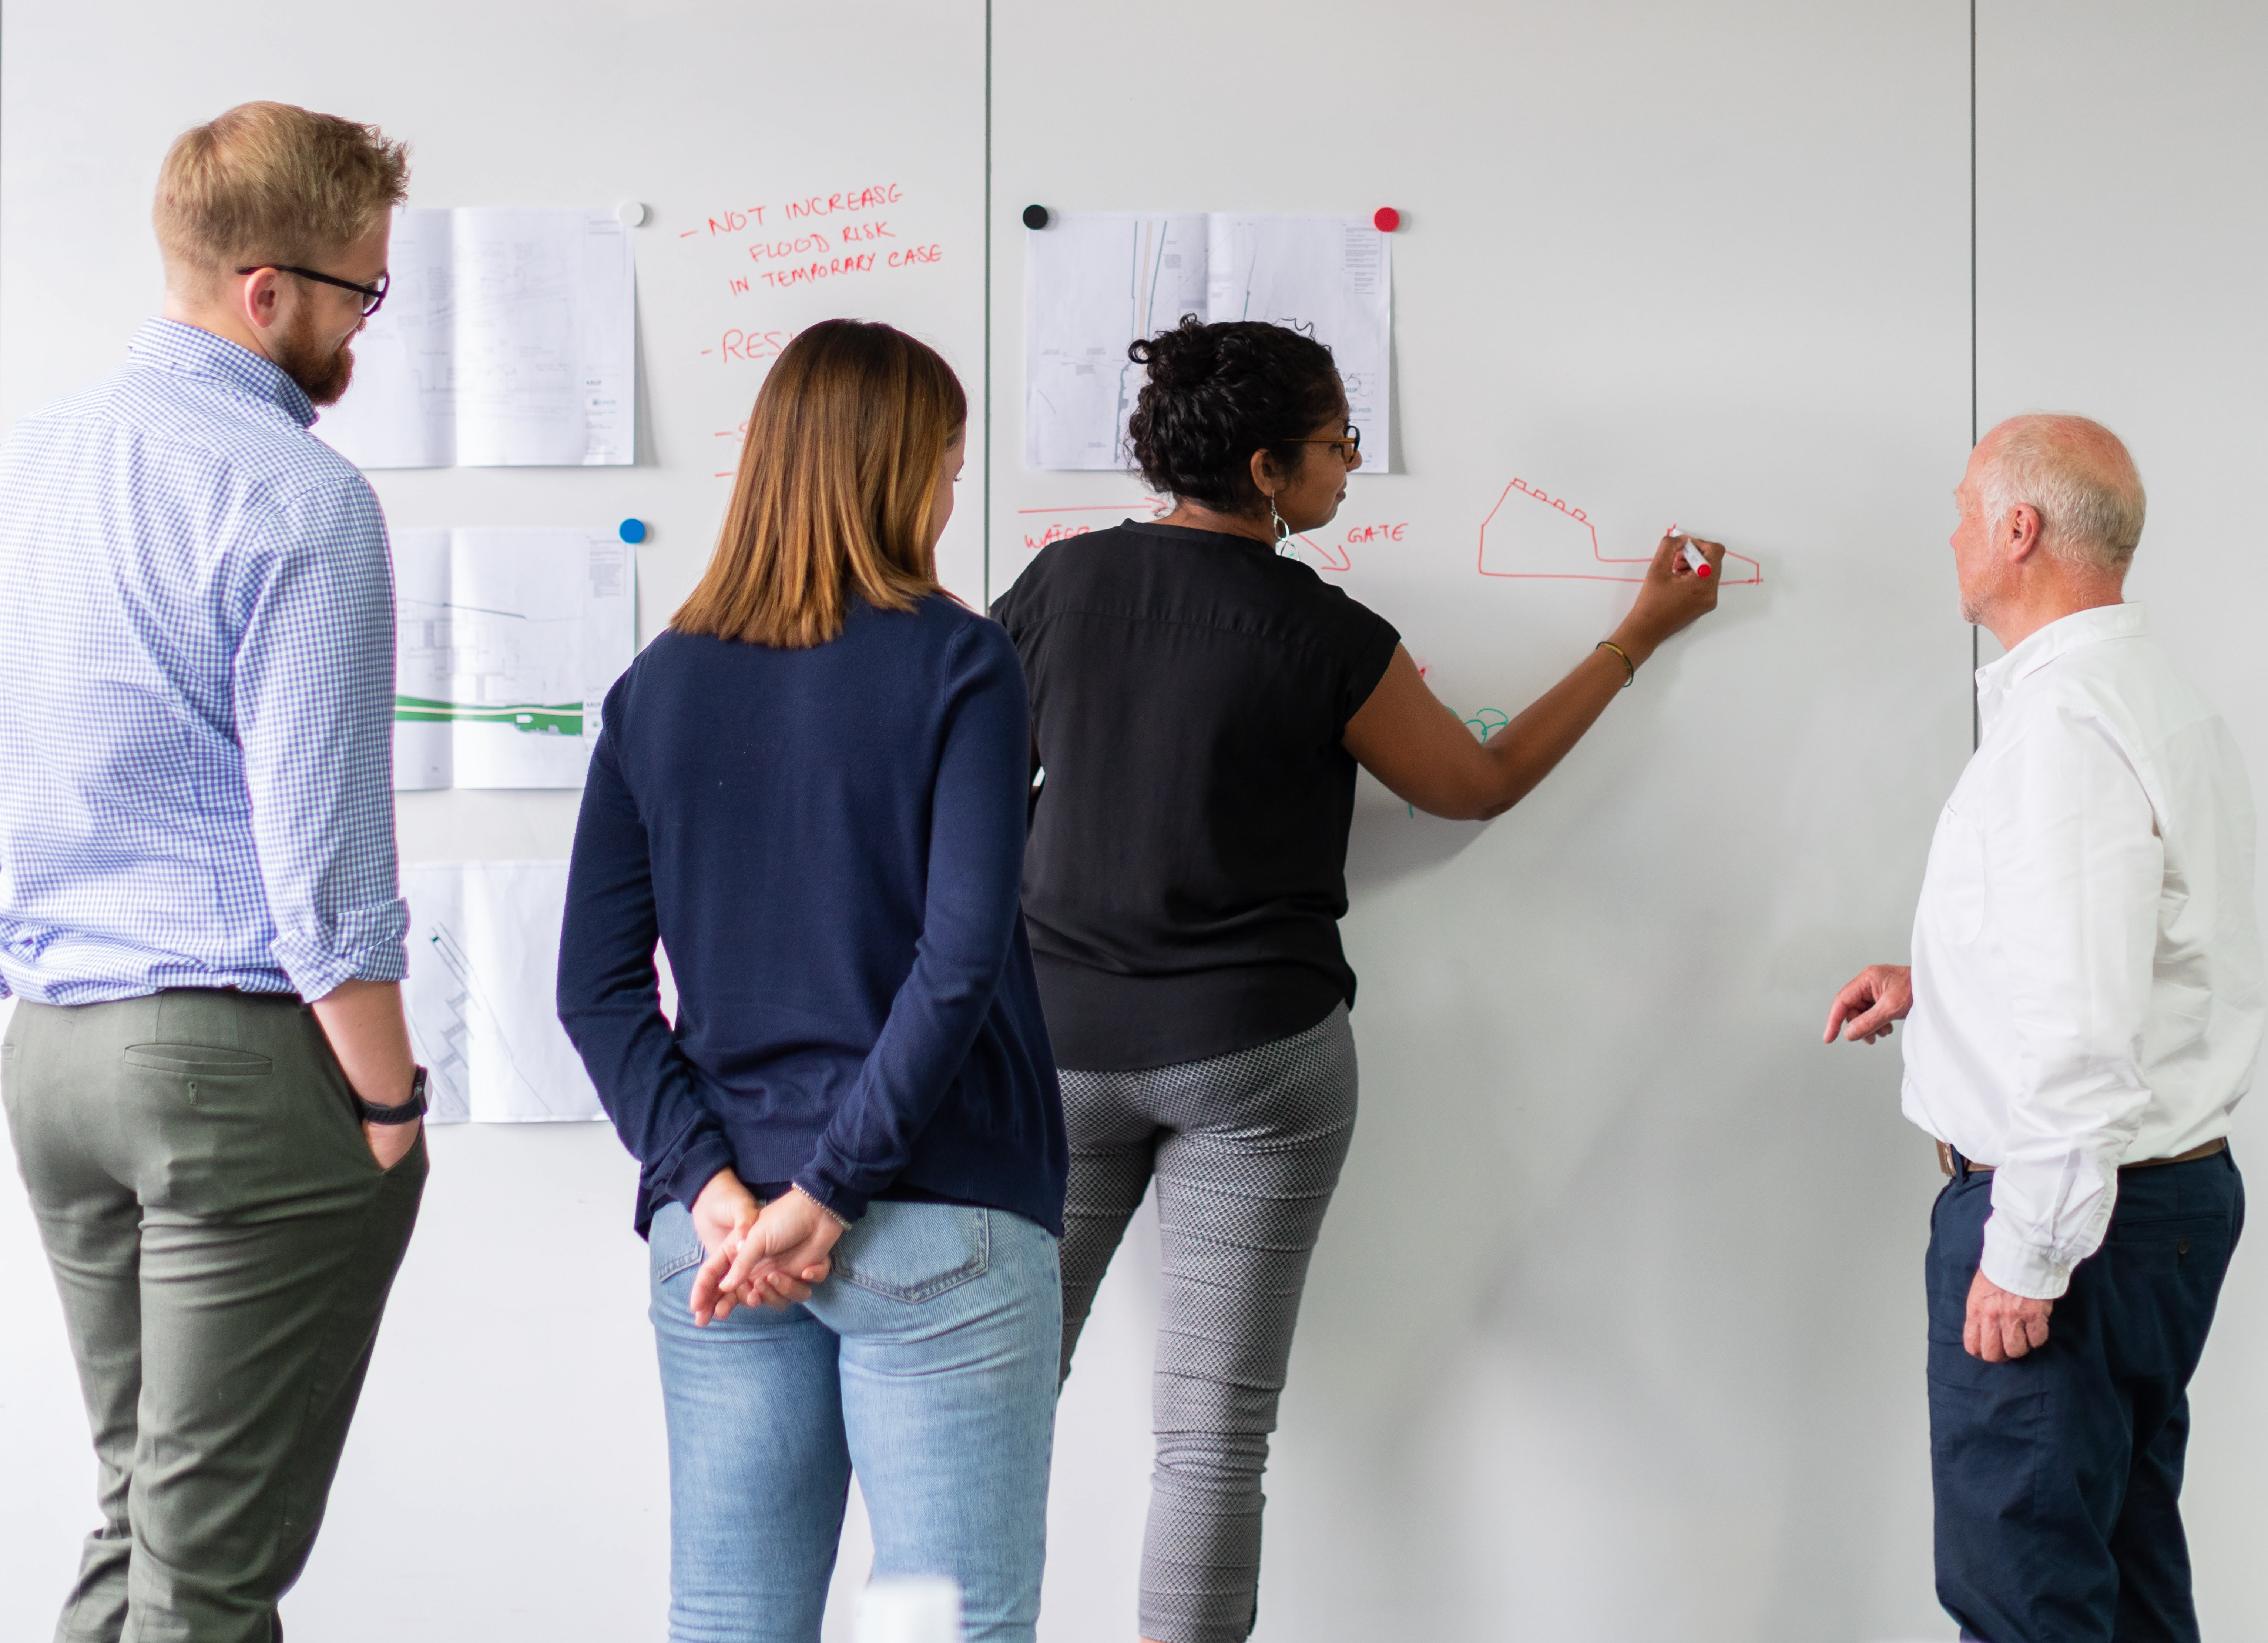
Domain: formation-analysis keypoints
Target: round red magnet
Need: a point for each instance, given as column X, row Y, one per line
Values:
column 1386, row 219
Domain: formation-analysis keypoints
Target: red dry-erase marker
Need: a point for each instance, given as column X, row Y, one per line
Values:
column 1692, row 556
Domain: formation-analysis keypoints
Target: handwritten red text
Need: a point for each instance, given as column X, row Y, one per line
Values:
column 850, row 200
column 801, row 246
column 834, row 268
column 731, row 223
column 738, row 344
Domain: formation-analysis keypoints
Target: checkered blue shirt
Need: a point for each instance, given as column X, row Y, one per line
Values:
column 197, row 684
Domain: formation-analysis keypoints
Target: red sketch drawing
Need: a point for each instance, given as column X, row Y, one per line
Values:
column 1529, row 534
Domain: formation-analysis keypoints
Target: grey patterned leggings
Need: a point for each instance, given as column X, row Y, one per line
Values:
column 1247, row 1148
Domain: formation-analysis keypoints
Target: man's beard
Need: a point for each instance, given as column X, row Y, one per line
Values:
column 323, row 376
column 1972, row 611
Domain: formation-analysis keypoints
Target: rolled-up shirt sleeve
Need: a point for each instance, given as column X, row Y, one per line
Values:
column 313, row 696
column 2075, row 868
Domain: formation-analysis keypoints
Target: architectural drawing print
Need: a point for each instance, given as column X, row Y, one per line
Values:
column 457, row 1009
column 508, row 340
column 498, row 666
column 505, row 643
column 1094, row 282
column 482, row 949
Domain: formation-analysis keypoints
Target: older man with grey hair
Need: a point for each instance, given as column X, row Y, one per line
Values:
column 2085, row 996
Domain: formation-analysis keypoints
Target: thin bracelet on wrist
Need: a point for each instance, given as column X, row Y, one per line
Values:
column 1630, row 667
column 797, row 1187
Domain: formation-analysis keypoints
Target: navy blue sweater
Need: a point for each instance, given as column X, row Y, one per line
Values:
column 828, row 843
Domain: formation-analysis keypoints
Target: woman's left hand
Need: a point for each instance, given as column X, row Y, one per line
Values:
column 776, row 1261
column 724, row 1214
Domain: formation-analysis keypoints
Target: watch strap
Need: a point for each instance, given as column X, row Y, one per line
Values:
column 401, row 1112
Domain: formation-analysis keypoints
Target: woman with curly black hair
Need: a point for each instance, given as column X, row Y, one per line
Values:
column 1199, row 704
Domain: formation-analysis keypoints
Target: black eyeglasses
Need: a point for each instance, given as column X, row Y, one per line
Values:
column 1350, row 444
column 372, row 295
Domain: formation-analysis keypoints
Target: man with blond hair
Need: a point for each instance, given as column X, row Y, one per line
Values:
column 208, row 1078
column 2086, row 1005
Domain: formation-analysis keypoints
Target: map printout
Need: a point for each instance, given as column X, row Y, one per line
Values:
column 505, row 643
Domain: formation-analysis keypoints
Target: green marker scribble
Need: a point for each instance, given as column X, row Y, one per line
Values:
column 1481, row 724
column 534, row 719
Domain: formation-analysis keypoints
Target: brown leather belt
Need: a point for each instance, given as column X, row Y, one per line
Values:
column 1945, row 1158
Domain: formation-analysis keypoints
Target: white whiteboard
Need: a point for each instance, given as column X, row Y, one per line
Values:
column 1615, row 1328
column 2136, row 138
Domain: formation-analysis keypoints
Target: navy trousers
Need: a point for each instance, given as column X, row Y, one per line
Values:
column 2059, row 1475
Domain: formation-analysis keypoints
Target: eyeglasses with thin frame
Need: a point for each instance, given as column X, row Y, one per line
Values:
column 1350, row 444
column 372, row 295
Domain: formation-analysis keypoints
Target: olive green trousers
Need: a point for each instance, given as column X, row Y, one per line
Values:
column 223, row 1243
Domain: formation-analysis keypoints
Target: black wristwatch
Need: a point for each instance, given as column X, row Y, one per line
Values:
column 403, row 1112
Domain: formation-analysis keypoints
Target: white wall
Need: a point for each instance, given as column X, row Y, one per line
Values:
column 1616, row 1330
column 2120, row 155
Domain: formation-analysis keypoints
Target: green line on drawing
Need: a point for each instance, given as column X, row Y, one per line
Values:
column 534, row 719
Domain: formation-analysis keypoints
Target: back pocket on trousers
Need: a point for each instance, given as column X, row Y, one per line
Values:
column 198, row 1061
column 672, row 1244
column 914, row 1251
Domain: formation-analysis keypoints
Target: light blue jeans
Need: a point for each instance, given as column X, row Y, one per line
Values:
column 927, row 1363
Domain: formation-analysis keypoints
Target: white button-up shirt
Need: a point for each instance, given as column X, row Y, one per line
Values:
column 2086, row 966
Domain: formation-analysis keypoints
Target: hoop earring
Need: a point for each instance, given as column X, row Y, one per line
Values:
column 1283, row 531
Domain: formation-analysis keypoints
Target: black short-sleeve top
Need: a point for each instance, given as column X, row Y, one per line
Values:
column 1187, row 867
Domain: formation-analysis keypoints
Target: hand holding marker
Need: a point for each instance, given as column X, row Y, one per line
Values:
column 1691, row 555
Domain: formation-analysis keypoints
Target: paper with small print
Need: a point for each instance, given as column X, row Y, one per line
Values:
column 483, row 955
column 505, row 644
column 507, row 339
column 1095, row 281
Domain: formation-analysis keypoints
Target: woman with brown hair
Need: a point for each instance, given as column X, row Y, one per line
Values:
column 812, row 790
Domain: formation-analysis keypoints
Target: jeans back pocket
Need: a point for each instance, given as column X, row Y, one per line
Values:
column 912, row 1252
column 672, row 1244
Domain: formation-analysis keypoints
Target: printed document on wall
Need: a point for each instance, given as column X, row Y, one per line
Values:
column 1095, row 281
column 507, row 339
column 505, row 644
column 483, row 956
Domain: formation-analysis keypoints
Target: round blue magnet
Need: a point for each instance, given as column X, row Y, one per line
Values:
column 631, row 530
